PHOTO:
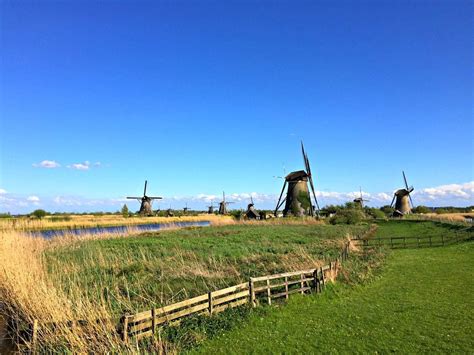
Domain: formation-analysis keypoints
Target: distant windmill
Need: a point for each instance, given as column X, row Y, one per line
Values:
column 359, row 201
column 251, row 212
column 403, row 199
column 146, row 201
column 223, row 205
column 169, row 212
column 298, row 198
column 185, row 209
column 210, row 208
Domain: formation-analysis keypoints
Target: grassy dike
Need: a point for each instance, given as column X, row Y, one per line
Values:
column 421, row 301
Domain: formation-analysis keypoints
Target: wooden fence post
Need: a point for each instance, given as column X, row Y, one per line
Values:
column 209, row 297
column 34, row 336
column 252, row 293
column 323, row 284
column 125, row 328
column 302, row 284
column 153, row 320
column 286, row 287
column 315, row 280
column 269, row 298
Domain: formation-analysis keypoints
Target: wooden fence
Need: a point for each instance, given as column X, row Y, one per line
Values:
column 258, row 289
column 408, row 242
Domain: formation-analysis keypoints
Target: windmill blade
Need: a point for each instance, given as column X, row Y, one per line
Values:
column 405, row 179
column 393, row 199
column 251, row 200
column 314, row 194
column 306, row 160
column 360, row 189
column 155, row 197
column 411, row 201
column 134, row 198
column 144, row 190
column 279, row 199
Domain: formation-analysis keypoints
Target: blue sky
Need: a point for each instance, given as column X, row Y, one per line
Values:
column 204, row 96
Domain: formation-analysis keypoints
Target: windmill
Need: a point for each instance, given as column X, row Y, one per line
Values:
column 359, row 201
column 223, row 204
column 146, row 201
column 169, row 212
column 251, row 212
column 210, row 208
column 185, row 209
column 403, row 199
column 298, row 198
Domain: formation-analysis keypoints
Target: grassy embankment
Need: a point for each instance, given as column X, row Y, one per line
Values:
column 420, row 303
column 65, row 279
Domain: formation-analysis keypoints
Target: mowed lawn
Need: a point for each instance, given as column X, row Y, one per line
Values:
column 422, row 301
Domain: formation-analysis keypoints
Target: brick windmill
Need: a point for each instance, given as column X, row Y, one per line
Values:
column 402, row 199
column 146, row 201
column 298, row 198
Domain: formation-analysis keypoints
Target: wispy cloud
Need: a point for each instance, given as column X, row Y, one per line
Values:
column 2, row 191
column 80, row 166
column 85, row 165
column 48, row 164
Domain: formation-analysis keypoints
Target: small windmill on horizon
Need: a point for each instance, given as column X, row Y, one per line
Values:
column 145, row 202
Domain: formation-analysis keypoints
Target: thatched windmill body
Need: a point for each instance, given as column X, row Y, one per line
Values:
column 402, row 199
column 359, row 201
column 146, row 202
column 223, row 205
column 298, row 200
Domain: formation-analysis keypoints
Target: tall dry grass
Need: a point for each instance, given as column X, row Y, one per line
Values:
column 28, row 294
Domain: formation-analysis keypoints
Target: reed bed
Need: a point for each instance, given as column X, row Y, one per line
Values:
column 98, row 277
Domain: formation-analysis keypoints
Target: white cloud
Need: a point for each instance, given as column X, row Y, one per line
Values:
column 2, row 191
column 48, row 164
column 34, row 200
column 453, row 192
column 85, row 165
column 80, row 166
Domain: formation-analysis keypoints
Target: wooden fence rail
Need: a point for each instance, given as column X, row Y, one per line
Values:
column 146, row 324
column 270, row 287
column 408, row 242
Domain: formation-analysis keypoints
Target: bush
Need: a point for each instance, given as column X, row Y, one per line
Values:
column 375, row 213
column 352, row 216
column 39, row 213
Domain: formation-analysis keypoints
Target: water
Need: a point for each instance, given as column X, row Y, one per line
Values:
column 150, row 227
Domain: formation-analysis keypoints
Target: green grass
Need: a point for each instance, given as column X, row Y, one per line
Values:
column 138, row 273
column 421, row 301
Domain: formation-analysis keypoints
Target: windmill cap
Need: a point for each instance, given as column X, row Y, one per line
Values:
column 297, row 175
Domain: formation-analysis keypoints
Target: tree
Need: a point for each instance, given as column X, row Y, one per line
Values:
column 125, row 211
column 39, row 213
column 421, row 209
column 388, row 210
